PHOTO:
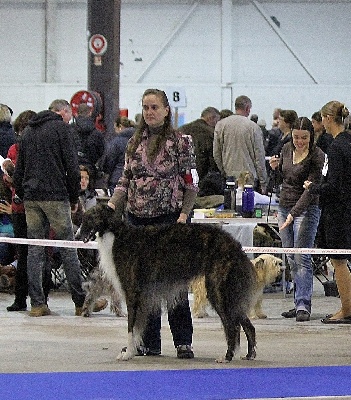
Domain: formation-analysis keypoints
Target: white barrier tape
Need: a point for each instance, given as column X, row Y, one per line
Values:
column 51, row 243
column 293, row 250
column 93, row 245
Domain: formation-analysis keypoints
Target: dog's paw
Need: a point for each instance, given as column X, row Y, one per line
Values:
column 257, row 315
column 125, row 355
column 120, row 314
column 117, row 311
column 221, row 360
column 249, row 356
column 201, row 314
column 229, row 355
column 86, row 313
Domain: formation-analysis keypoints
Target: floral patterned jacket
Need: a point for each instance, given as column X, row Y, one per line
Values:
column 157, row 188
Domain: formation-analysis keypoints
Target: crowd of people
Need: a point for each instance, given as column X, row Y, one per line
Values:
column 153, row 173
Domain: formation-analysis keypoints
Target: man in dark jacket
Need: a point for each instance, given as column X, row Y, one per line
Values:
column 201, row 131
column 115, row 153
column 89, row 140
column 47, row 179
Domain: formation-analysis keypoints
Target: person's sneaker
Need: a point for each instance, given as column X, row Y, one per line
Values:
column 17, row 307
column 302, row 316
column 289, row 314
column 39, row 311
column 185, row 351
column 100, row 305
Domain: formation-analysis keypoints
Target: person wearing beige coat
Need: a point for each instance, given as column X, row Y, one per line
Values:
column 238, row 145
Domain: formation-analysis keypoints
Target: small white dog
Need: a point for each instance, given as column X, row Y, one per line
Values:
column 267, row 269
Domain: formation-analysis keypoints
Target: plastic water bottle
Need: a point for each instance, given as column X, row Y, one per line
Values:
column 232, row 188
column 248, row 201
column 230, row 195
column 227, row 197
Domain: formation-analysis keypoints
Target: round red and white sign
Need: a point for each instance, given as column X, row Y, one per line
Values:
column 98, row 44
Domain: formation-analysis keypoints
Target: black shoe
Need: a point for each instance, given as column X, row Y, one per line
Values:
column 302, row 316
column 144, row 351
column 328, row 320
column 289, row 314
column 184, row 351
column 17, row 307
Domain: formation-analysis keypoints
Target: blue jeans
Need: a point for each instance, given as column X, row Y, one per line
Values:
column 57, row 214
column 300, row 233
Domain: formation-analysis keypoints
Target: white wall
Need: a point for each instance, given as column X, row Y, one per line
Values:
column 180, row 45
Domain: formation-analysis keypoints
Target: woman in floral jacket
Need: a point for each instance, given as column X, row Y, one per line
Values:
column 158, row 186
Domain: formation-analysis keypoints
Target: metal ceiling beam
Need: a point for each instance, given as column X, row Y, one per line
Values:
column 284, row 40
column 168, row 41
column 50, row 41
column 226, row 54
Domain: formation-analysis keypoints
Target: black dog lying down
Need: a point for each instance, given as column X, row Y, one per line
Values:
column 154, row 263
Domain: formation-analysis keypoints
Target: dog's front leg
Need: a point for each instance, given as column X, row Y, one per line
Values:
column 116, row 303
column 129, row 352
column 258, row 308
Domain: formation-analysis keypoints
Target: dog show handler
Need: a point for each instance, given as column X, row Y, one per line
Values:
column 159, row 186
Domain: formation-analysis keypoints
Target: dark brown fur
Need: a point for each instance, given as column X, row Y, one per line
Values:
column 155, row 262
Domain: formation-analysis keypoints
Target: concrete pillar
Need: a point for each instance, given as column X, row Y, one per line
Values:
column 104, row 72
column 50, row 42
column 226, row 59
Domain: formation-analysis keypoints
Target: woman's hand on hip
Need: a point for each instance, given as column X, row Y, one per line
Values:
column 307, row 184
column 288, row 221
column 182, row 218
column 111, row 205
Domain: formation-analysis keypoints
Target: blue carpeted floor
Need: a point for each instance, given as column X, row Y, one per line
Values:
column 174, row 384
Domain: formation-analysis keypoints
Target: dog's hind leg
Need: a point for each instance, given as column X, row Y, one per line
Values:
column 232, row 334
column 250, row 333
column 221, row 299
column 231, row 324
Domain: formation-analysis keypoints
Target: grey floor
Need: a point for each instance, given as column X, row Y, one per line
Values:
column 63, row 342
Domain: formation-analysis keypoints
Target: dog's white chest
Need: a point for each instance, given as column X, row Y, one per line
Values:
column 107, row 264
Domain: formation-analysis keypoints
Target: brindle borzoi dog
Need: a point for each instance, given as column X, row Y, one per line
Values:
column 155, row 263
